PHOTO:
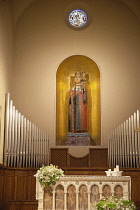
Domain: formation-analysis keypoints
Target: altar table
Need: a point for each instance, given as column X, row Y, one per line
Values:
column 78, row 192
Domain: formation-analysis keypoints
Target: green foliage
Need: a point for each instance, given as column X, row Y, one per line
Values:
column 114, row 203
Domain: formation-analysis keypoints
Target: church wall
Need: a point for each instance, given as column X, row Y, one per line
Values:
column 6, row 65
column 43, row 40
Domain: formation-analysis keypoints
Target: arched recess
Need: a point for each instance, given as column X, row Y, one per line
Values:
column 65, row 73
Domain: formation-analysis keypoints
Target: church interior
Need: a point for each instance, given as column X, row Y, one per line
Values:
column 69, row 96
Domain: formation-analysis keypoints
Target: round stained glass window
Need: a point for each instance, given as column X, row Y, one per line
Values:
column 78, row 18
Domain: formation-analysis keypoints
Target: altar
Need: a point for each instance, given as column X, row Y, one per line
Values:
column 78, row 192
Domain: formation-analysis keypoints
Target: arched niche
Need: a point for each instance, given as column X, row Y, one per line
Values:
column 106, row 191
column 65, row 73
column 95, row 195
column 118, row 191
column 83, row 197
column 59, row 197
column 71, row 197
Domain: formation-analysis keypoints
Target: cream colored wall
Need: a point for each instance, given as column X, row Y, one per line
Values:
column 6, row 62
column 43, row 41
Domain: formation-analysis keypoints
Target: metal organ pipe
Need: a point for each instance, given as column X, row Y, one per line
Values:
column 25, row 145
column 124, row 143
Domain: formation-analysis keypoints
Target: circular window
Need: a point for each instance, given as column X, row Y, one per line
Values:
column 78, row 18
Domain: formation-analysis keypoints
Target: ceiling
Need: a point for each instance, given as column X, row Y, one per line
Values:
column 19, row 6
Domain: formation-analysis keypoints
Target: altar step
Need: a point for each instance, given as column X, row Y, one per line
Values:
column 24, row 205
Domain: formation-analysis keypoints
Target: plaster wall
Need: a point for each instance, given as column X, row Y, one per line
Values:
column 43, row 40
column 6, row 62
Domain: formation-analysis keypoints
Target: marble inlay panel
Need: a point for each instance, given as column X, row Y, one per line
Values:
column 71, row 198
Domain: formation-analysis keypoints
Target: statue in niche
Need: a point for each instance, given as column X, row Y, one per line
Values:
column 78, row 105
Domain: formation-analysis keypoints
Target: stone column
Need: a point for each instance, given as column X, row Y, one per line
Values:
column 89, row 199
column 77, row 200
column 65, row 199
column 40, row 196
column 53, row 204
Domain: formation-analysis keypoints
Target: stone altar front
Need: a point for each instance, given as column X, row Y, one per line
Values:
column 78, row 192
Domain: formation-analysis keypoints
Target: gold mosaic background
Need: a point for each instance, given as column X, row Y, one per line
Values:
column 66, row 70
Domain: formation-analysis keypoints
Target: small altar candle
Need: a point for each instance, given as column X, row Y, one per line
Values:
column 117, row 167
column 109, row 169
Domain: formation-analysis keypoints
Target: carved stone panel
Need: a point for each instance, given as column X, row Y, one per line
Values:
column 118, row 191
column 83, row 198
column 71, row 198
column 95, row 196
column 59, row 197
column 106, row 191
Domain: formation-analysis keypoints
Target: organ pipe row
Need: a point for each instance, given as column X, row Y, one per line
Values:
column 25, row 144
column 124, row 143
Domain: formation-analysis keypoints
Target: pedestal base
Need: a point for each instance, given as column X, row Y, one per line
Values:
column 78, row 139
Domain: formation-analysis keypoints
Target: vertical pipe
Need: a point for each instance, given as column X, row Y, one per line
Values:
column 122, row 137
column 21, row 143
column 125, row 146
column 138, row 126
column 136, row 140
column 133, row 144
column 48, row 150
column 116, row 147
column 10, row 133
column 114, row 151
column 18, row 138
column 15, row 137
column 127, row 143
column 34, row 145
column 41, row 148
column 109, row 152
column 27, row 144
column 37, row 148
column 130, row 143
column 120, row 148
column 24, row 140
column 45, row 148
column 7, row 109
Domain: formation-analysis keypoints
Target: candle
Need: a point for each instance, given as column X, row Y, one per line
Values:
column 109, row 169
column 117, row 167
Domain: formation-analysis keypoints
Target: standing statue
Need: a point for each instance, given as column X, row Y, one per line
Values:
column 78, row 105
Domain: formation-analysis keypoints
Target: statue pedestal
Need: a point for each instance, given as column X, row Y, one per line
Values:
column 78, row 139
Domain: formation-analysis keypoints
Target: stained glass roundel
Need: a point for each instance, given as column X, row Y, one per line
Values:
column 78, row 18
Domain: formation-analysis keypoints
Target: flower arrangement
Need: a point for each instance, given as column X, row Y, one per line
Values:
column 48, row 175
column 114, row 203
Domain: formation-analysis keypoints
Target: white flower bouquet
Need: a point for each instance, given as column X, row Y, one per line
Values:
column 48, row 175
column 114, row 203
